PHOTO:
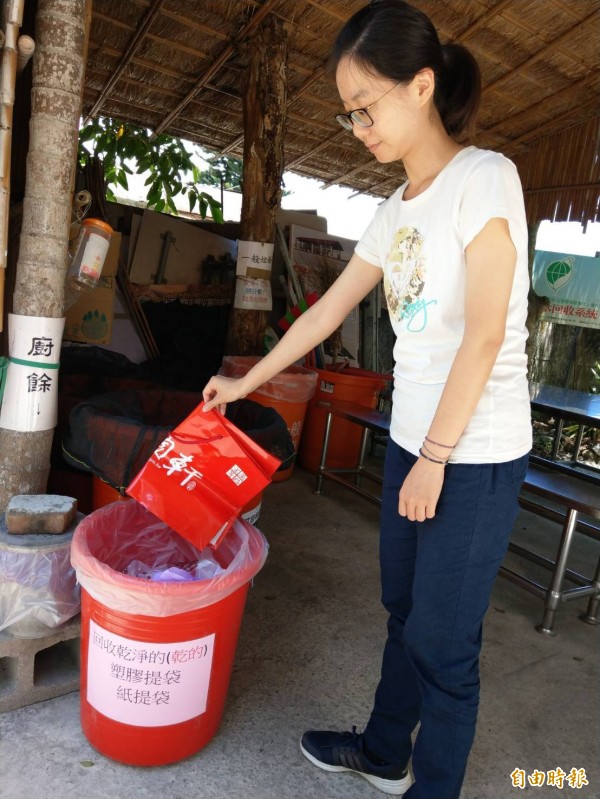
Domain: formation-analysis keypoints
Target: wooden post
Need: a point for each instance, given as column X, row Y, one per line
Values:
column 264, row 129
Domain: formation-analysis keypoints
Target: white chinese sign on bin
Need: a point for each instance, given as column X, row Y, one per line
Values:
column 148, row 684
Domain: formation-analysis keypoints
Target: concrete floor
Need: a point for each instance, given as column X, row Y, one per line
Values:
column 308, row 657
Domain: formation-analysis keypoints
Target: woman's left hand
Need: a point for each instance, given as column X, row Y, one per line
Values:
column 421, row 490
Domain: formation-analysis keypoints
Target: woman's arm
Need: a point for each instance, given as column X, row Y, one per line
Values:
column 491, row 261
column 311, row 328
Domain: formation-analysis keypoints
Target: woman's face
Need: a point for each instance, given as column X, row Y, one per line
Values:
column 396, row 114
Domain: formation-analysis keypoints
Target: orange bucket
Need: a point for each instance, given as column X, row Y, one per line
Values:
column 348, row 385
column 104, row 494
column 251, row 511
column 293, row 414
column 288, row 393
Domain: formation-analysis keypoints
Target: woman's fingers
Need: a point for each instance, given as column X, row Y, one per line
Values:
column 420, row 491
column 219, row 391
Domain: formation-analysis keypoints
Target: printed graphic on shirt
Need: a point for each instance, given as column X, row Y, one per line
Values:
column 404, row 280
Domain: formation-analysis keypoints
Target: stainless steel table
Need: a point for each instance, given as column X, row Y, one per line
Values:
column 565, row 404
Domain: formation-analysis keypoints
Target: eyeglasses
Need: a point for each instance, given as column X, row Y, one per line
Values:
column 360, row 116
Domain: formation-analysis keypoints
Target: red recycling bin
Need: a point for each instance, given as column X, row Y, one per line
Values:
column 156, row 657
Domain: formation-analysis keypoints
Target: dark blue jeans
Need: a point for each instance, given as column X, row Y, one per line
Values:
column 437, row 577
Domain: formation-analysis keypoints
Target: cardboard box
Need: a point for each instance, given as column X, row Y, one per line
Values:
column 90, row 320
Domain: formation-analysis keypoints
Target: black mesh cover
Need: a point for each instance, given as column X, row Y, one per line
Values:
column 113, row 435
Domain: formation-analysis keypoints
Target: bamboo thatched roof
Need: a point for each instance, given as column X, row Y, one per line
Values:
column 178, row 66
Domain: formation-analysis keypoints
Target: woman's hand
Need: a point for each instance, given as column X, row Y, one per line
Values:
column 219, row 391
column 421, row 490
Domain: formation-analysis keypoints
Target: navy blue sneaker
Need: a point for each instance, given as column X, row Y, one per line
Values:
column 344, row 751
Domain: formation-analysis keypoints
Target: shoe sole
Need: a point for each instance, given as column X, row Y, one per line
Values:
column 392, row 787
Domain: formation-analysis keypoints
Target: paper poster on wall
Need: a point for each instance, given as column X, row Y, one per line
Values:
column 572, row 285
column 31, row 391
column 253, row 295
column 318, row 259
column 148, row 684
column 254, row 259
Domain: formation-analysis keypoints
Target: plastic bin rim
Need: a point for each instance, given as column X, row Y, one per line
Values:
column 80, row 552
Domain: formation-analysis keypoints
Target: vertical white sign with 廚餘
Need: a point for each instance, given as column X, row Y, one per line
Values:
column 30, row 396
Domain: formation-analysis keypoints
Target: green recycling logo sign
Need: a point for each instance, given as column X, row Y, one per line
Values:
column 558, row 273
column 571, row 284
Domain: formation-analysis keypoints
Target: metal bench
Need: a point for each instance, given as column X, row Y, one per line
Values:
column 372, row 421
column 571, row 497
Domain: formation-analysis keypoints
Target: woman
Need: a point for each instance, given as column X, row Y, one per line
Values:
column 451, row 246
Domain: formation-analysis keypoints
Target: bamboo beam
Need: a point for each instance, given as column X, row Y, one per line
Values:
column 221, row 59
column 315, row 76
column 315, row 150
column 25, row 50
column 14, row 20
column 541, row 53
column 518, row 22
column 131, row 50
column 185, row 21
column 566, row 187
column 550, row 100
column 537, row 133
column 328, row 11
column 491, row 13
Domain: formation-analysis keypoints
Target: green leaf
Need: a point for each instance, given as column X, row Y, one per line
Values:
column 217, row 213
column 122, row 179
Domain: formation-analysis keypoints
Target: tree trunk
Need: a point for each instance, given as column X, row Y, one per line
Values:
column 264, row 130
column 536, row 307
column 58, row 72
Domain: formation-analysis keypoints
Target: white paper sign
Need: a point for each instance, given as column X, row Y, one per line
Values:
column 254, row 259
column 147, row 684
column 31, row 392
column 253, row 295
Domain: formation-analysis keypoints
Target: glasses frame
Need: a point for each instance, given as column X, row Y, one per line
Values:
column 347, row 121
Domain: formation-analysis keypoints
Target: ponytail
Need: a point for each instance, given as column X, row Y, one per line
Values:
column 458, row 89
column 395, row 40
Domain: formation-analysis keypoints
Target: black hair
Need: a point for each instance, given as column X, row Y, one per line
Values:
column 395, row 40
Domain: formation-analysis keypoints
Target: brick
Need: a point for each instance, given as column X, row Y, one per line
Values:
column 36, row 669
column 39, row 514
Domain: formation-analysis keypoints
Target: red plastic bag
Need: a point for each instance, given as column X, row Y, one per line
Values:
column 201, row 476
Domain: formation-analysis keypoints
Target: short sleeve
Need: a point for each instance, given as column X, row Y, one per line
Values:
column 492, row 189
column 367, row 247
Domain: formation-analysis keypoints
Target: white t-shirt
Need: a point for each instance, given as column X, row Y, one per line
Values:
column 420, row 245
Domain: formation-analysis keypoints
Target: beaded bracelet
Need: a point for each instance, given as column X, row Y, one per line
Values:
column 437, row 443
column 427, row 458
